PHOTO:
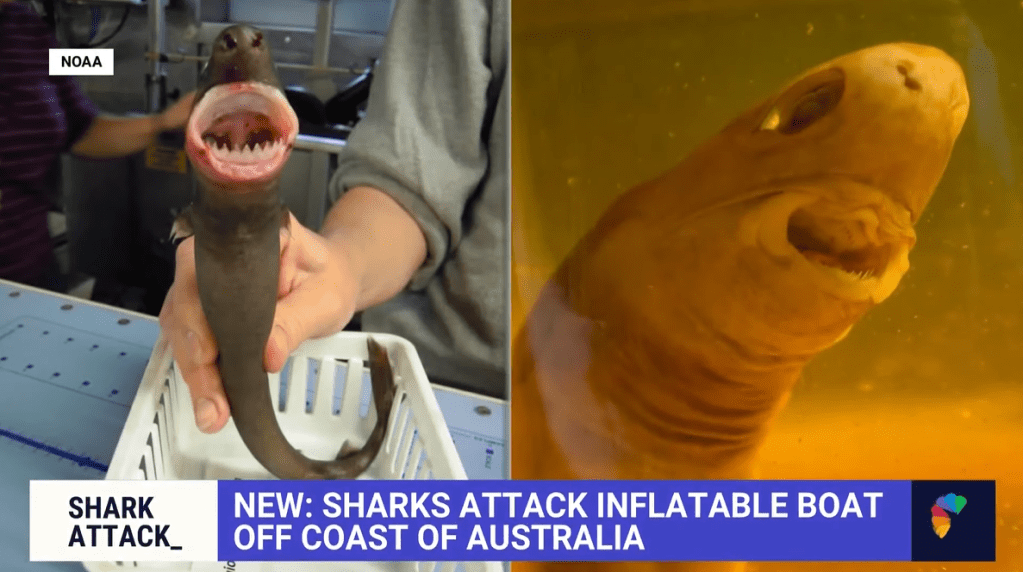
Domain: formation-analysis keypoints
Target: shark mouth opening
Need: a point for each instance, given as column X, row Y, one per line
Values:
column 849, row 243
column 241, row 132
column 855, row 251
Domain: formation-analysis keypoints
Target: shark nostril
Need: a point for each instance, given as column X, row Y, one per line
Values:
column 257, row 40
column 905, row 68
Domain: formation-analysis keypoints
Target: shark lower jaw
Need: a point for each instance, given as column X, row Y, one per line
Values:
column 857, row 252
column 241, row 134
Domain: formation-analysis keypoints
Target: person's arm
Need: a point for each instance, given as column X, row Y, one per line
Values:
column 423, row 140
column 108, row 137
column 383, row 243
column 94, row 135
column 367, row 252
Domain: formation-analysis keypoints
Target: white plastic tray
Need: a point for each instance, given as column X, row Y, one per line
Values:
column 326, row 401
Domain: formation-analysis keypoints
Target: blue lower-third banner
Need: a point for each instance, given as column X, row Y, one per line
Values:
column 369, row 520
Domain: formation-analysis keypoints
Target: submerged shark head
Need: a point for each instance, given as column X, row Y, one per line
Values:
column 780, row 231
column 852, row 152
column 242, row 129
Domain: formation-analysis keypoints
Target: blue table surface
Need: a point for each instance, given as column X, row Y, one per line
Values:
column 69, row 370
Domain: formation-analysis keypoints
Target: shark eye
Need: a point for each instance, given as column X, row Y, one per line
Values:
column 806, row 102
column 813, row 106
column 229, row 41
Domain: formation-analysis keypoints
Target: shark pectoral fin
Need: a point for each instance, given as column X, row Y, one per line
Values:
column 182, row 226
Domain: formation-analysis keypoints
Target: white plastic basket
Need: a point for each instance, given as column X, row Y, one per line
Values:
column 160, row 439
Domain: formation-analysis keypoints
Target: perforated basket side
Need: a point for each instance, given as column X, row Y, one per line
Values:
column 418, row 444
column 144, row 450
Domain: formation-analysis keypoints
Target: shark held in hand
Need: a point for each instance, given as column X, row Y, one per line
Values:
column 238, row 139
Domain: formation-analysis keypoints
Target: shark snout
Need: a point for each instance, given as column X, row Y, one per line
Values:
column 240, row 53
column 933, row 74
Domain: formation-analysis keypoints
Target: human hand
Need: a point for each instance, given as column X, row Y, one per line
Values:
column 316, row 297
column 176, row 116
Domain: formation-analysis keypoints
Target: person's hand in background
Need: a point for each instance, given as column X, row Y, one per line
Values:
column 110, row 136
column 176, row 116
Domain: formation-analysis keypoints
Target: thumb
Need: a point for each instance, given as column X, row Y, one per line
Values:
column 208, row 400
column 278, row 348
column 316, row 295
column 319, row 306
column 300, row 316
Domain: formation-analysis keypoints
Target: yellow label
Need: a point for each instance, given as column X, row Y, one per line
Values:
column 168, row 159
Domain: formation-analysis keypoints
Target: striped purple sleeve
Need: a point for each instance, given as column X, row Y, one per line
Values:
column 79, row 109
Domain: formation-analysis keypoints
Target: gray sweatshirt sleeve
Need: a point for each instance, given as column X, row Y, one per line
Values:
column 424, row 138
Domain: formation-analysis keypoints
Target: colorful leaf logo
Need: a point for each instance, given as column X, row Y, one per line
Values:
column 939, row 518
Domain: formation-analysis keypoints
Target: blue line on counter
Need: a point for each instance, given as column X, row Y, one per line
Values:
column 79, row 459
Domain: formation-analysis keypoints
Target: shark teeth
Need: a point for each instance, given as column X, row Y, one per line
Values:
column 858, row 275
column 246, row 153
column 872, row 285
column 766, row 228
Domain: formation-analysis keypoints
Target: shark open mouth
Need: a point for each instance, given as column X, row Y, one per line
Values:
column 856, row 251
column 241, row 132
column 844, row 241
